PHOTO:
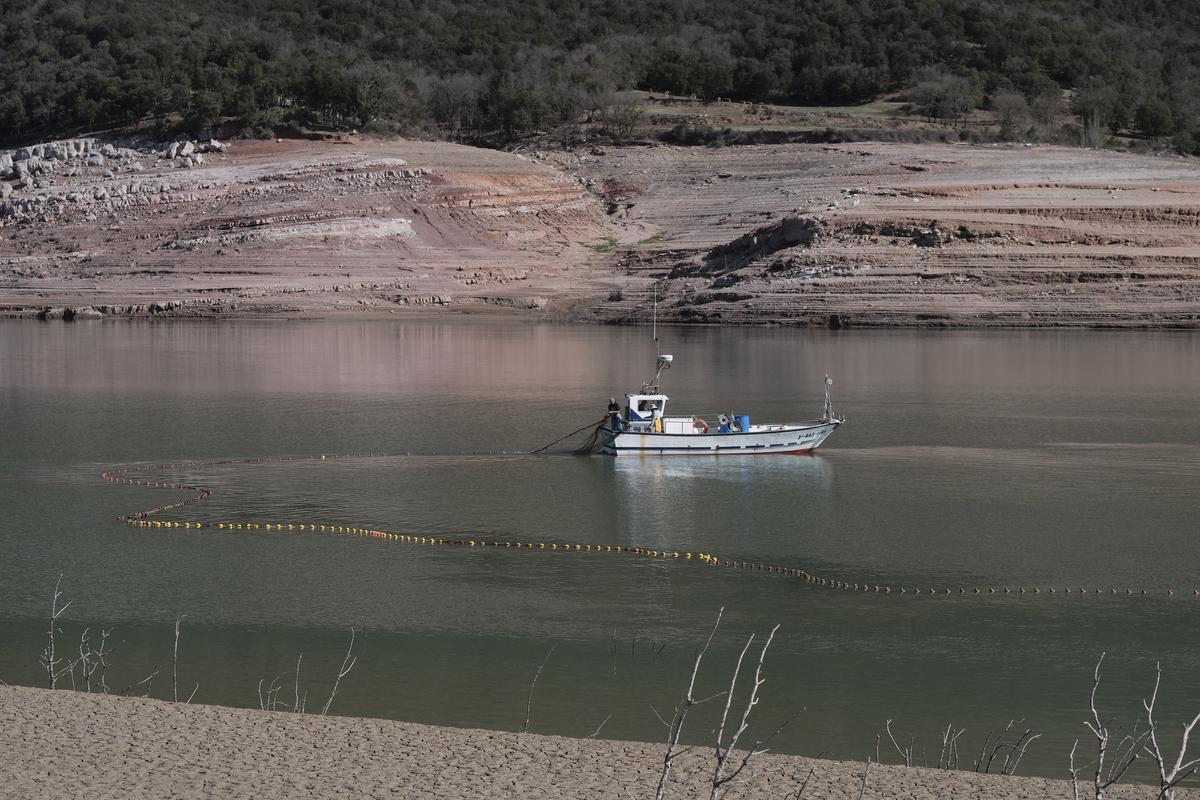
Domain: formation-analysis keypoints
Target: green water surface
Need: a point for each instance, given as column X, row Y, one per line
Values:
column 968, row 459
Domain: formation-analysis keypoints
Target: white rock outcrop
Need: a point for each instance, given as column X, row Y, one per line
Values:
column 35, row 179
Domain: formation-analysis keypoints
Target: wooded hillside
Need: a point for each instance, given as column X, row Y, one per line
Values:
column 495, row 69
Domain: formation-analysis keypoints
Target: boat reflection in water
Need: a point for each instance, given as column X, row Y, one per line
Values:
column 678, row 503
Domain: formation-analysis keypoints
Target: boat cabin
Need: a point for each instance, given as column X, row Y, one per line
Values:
column 641, row 410
column 646, row 413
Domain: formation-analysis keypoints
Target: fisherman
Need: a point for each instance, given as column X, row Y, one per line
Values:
column 614, row 414
column 655, row 419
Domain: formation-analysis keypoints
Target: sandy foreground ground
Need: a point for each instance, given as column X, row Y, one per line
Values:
column 862, row 234
column 74, row 745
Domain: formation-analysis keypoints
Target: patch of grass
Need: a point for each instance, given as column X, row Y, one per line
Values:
column 887, row 109
column 606, row 245
column 668, row 105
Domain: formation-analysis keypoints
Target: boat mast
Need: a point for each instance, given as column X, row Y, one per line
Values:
column 662, row 360
column 654, row 317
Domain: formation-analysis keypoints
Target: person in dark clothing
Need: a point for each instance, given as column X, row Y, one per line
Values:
column 614, row 414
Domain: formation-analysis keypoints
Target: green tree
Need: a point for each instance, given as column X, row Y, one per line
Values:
column 1154, row 118
column 942, row 96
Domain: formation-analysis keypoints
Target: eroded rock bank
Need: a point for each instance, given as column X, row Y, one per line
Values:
column 29, row 175
column 900, row 234
column 878, row 234
column 295, row 227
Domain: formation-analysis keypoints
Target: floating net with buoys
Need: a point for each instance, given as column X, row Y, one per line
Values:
column 149, row 518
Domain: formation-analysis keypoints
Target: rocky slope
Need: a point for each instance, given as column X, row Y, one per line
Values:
column 289, row 226
column 897, row 234
column 827, row 235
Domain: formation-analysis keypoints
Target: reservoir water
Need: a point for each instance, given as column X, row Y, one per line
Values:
column 969, row 459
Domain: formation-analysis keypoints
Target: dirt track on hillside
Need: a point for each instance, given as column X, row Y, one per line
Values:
column 827, row 235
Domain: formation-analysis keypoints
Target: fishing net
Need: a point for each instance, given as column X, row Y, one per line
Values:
column 592, row 444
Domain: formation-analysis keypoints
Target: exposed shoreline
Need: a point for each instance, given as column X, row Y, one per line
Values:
column 33, row 315
column 551, row 315
column 875, row 235
column 62, row 744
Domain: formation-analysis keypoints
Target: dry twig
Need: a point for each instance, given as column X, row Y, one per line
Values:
column 596, row 732
column 532, row 684
column 1074, row 772
column 862, row 787
column 1013, row 750
column 948, row 755
column 175, row 665
column 297, row 700
column 800, row 792
column 93, row 659
column 348, row 663
column 143, row 682
column 906, row 753
column 50, row 660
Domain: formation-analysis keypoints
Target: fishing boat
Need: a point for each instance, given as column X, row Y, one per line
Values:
column 643, row 428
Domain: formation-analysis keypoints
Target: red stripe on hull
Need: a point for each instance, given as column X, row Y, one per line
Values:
column 698, row 452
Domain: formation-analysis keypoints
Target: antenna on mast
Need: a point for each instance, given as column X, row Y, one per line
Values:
column 660, row 363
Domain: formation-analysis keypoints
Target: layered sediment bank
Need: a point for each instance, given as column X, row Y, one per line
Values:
column 61, row 744
column 881, row 234
column 297, row 228
column 865, row 234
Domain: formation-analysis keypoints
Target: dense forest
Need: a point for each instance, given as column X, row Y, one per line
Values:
column 492, row 70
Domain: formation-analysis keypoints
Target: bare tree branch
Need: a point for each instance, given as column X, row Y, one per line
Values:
column 1101, row 780
column 905, row 754
column 675, row 729
column 1017, row 752
column 720, row 777
column 348, row 663
column 49, row 659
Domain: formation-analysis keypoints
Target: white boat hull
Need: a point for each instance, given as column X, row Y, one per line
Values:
column 800, row 437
